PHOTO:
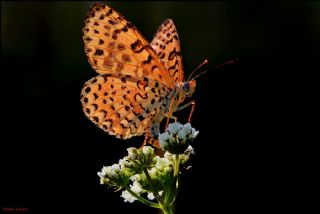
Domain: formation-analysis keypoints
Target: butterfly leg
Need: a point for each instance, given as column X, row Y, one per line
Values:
column 168, row 119
column 174, row 117
column 146, row 139
column 169, row 115
column 155, row 142
column 193, row 103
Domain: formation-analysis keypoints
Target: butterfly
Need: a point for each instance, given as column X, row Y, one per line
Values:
column 138, row 84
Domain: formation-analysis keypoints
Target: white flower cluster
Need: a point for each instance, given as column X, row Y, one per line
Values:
column 143, row 172
column 177, row 138
column 132, row 167
column 139, row 159
column 136, row 188
column 110, row 175
column 183, row 157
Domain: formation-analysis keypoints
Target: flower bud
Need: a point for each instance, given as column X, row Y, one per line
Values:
column 139, row 159
column 111, row 176
column 177, row 138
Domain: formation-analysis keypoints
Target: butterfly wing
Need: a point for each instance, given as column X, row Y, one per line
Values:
column 114, row 45
column 121, row 105
column 166, row 44
column 133, row 82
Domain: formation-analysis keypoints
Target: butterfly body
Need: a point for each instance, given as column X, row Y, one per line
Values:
column 138, row 84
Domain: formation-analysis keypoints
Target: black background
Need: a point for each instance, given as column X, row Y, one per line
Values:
column 248, row 155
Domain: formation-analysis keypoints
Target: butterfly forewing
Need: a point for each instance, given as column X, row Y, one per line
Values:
column 166, row 44
column 114, row 45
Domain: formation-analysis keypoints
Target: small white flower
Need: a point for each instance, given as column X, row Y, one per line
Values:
column 110, row 171
column 162, row 162
column 103, row 172
column 152, row 172
column 168, row 156
column 164, row 137
column 163, row 140
column 102, row 178
column 135, row 187
column 135, row 177
column 182, row 134
column 112, row 176
column 138, row 159
column 187, row 127
column 191, row 132
column 127, row 196
column 132, row 154
column 150, row 196
column 184, row 158
column 148, row 150
column 190, row 150
column 123, row 162
column 115, row 167
column 177, row 138
column 194, row 134
column 173, row 128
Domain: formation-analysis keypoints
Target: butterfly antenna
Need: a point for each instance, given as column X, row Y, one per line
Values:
column 199, row 66
column 198, row 75
column 233, row 61
column 218, row 66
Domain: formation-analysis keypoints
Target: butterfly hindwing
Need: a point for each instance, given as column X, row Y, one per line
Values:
column 122, row 105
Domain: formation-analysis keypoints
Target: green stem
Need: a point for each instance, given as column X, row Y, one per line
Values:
column 155, row 193
column 142, row 200
column 176, row 165
column 167, row 209
column 176, row 181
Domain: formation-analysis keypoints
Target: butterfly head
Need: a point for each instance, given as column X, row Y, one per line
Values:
column 189, row 87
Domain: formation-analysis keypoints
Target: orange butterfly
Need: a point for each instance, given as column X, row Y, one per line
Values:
column 138, row 83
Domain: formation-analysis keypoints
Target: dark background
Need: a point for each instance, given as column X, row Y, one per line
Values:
column 247, row 153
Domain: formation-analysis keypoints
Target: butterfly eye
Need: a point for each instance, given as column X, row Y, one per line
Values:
column 186, row 86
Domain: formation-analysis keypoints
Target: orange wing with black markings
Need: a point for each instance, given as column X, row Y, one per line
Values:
column 166, row 44
column 133, row 82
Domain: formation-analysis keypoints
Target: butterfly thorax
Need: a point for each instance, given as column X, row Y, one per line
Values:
column 178, row 95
